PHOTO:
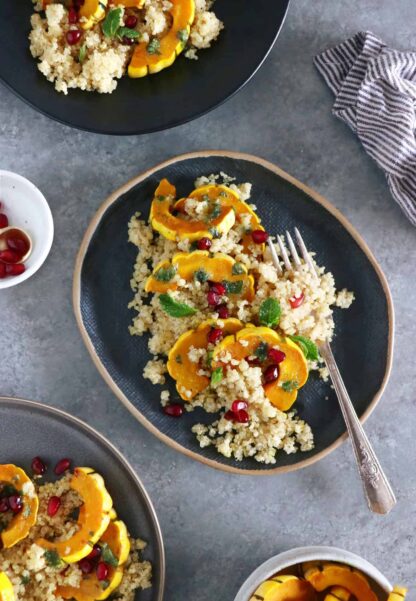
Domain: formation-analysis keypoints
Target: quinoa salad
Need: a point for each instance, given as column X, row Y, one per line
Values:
column 91, row 44
column 239, row 339
column 63, row 539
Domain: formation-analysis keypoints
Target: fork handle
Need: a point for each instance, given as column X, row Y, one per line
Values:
column 379, row 494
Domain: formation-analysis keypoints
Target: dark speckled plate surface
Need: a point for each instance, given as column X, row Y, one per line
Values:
column 29, row 429
column 364, row 333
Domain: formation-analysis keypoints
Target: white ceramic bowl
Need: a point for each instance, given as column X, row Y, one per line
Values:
column 289, row 559
column 26, row 207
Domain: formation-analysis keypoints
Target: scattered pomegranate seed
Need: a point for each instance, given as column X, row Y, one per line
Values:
column 54, row 504
column 10, row 256
column 96, row 552
column 238, row 405
column 214, row 335
column 174, row 410
column 102, row 571
column 218, row 288
column 130, row 21
column 275, row 355
column 15, row 269
column 86, row 566
column 18, row 244
column 62, row 466
column 204, row 244
column 38, row 466
column 16, row 503
column 223, row 312
column 128, row 41
column 77, row 4
column 4, row 505
column 259, row 236
column 271, row 373
column 296, row 301
column 73, row 36
column 213, row 298
column 73, row 16
column 230, row 416
column 2, row 271
column 242, row 416
column 253, row 361
column 4, row 220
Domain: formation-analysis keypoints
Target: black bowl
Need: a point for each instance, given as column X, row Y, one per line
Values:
column 183, row 92
column 29, row 429
column 364, row 333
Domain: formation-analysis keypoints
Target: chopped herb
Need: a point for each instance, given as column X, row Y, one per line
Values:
column 215, row 211
column 153, row 47
column 205, row 198
column 223, row 193
column 8, row 490
column 216, row 376
column 214, row 232
column 290, row 385
column 261, row 351
column 175, row 308
column 194, row 245
column 74, row 515
column 108, row 556
column 112, row 22
column 183, row 35
column 25, row 580
column 210, row 356
column 161, row 198
column 178, row 359
column 270, row 312
column 165, row 274
column 126, row 32
column 26, row 511
column 201, row 275
column 82, row 53
column 104, row 584
column 2, row 526
column 238, row 269
column 233, row 287
column 308, row 348
column 52, row 559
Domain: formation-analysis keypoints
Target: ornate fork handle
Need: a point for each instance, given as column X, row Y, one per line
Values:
column 380, row 497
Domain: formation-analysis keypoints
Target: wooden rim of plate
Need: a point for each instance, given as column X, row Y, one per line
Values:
column 315, row 196
column 83, row 426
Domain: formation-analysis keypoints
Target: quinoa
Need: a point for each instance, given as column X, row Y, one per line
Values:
column 267, row 430
column 97, row 62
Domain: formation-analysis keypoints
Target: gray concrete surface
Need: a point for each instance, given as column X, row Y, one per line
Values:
column 217, row 527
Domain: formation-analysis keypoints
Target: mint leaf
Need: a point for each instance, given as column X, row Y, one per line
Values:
column 175, row 308
column 270, row 312
column 165, row 274
column 112, row 22
column 183, row 35
column 108, row 556
column 214, row 232
column 201, row 275
column 126, row 32
column 153, row 47
column 261, row 351
column 233, row 287
column 82, row 53
column 216, row 376
column 52, row 559
column 290, row 385
column 238, row 269
column 308, row 348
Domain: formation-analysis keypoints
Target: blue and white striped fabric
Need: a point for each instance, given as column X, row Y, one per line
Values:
column 375, row 89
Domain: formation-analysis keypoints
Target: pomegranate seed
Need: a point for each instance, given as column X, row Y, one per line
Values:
column 54, row 504
column 18, row 244
column 296, row 301
column 230, row 415
column 174, row 410
column 16, row 503
column 72, row 16
column 62, row 466
column 102, row 571
column 96, row 552
column 254, row 362
column 15, row 269
column 271, row 373
column 130, row 21
column 204, row 244
column 242, row 416
column 214, row 335
column 259, row 236
column 128, row 41
column 4, row 220
column 213, row 298
column 2, row 271
column 86, row 566
column 38, row 466
column 275, row 355
column 77, row 4
column 223, row 312
column 73, row 36
column 218, row 288
column 10, row 256
column 4, row 505
column 238, row 405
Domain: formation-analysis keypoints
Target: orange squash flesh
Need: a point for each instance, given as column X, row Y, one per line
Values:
column 337, row 575
column 284, row 588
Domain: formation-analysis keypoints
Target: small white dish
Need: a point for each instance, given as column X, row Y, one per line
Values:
column 290, row 559
column 27, row 208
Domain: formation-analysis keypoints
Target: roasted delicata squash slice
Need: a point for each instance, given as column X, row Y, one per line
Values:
column 201, row 266
column 19, row 483
column 323, row 575
column 293, row 371
column 398, row 594
column 93, row 520
column 227, row 198
column 174, row 227
column 153, row 56
column 338, row 593
column 188, row 381
column 115, row 547
column 6, row 588
column 92, row 12
column 284, row 588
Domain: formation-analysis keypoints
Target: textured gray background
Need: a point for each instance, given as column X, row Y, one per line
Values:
column 218, row 527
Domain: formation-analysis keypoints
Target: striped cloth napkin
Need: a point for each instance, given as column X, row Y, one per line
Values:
column 375, row 94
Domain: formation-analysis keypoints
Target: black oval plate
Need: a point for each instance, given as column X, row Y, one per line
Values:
column 364, row 333
column 29, row 429
column 181, row 93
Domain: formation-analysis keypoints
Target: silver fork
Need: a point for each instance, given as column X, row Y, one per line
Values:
column 379, row 494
